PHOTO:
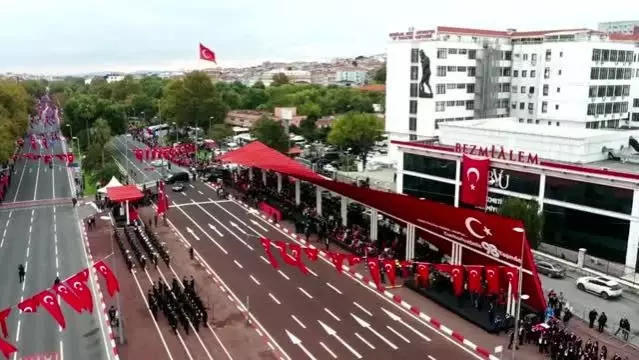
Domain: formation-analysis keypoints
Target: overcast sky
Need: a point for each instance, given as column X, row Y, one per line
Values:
column 75, row 36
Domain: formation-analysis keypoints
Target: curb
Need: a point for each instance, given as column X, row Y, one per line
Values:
column 458, row 337
column 105, row 313
column 225, row 291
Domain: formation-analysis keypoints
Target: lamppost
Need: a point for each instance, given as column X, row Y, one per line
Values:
column 522, row 234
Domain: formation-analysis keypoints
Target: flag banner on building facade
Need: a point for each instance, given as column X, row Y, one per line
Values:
column 474, row 182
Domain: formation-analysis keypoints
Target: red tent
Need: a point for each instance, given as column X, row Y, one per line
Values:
column 124, row 193
column 487, row 239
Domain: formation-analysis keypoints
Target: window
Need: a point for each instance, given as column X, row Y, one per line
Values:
column 533, row 73
column 441, row 53
column 522, row 89
column 559, row 72
column 605, row 55
column 544, row 107
column 515, row 73
column 412, row 124
column 441, row 89
column 557, row 107
column 514, row 106
column 414, row 56
column 452, row 51
column 600, row 108
column 558, row 89
column 522, row 106
column 531, row 106
column 557, row 123
column 440, row 106
column 545, row 90
column 529, row 121
column 625, row 90
column 414, row 73
column 617, row 90
column 548, row 54
column 521, row 120
column 451, row 86
column 524, row 73
column 508, row 55
column 594, row 73
column 412, row 137
column 531, row 90
column 513, row 89
column 635, row 103
column 412, row 107
column 451, row 68
column 470, row 104
column 591, row 109
column 616, row 108
column 459, row 103
column 524, row 57
column 472, row 54
column 470, row 88
column 533, row 57
column 613, row 55
column 608, row 108
column 550, row 123
column 505, row 71
column 546, row 73
column 601, row 92
column 441, row 71
column 592, row 91
column 461, row 69
column 624, row 107
column 589, row 194
column 471, row 71
column 536, row 122
column 460, row 86
column 621, row 56
column 610, row 90
column 429, row 189
column 414, row 87
column 596, row 54
column 463, row 51
column 561, row 54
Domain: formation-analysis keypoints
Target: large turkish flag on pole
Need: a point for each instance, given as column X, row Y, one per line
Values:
column 474, row 181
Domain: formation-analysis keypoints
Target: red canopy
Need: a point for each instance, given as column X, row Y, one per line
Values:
column 489, row 239
column 124, row 193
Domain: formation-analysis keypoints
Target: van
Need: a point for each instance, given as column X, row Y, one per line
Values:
column 182, row 176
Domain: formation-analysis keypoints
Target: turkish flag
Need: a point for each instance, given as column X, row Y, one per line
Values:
column 445, row 268
column 112, row 283
column 474, row 187
column 138, row 154
column 405, row 268
column 29, row 305
column 353, row 259
column 78, row 283
column 69, row 297
column 207, row 54
column 288, row 259
column 373, row 268
column 337, row 259
column 49, row 301
column 7, row 348
column 474, row 278
column 492, row 279
column 457, row 273
column 70, row 158
column 423, row 270
column 312, row 253
column 4, row 314
column 512, row 275
column 161, row 208
column 266, row 244
column 389, row 269
column 296, row 253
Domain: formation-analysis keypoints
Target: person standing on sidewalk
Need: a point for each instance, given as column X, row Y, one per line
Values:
column 592, row 316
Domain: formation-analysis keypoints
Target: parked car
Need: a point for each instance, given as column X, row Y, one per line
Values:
column 551, row 270
column 179, row 176
column 601, row 286
column 178, row 187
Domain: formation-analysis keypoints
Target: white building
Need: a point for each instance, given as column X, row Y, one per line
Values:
column 294, row 76
column 350, row 76
column 620, row 27
column 577, row 78
column 111, row 78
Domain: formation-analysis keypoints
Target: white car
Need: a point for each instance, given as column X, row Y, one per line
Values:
column 159, row 163
column 601, row 286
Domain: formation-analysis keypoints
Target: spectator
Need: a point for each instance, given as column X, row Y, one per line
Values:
column 602, row 321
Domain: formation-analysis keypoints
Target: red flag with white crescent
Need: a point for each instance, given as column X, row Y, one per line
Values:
column 7, row 349
column 29, row 305
column 353, row 259
column 112, row 283
column 457, row 273
column 296, row 253
column 474, row 278
column 50, row 302
column 78, row 283
column 373, row 268
column 389, row 269
column 69, row 297
column 512, row 275
column 4, row 314
column 338, row 260
column 492, row 279
column 423, row 270
column 288, row 259
column 266, row 244
column 312, row 253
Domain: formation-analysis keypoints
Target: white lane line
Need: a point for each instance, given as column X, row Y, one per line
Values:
column 328, row 350
column 332, row 315
column 18, row 329
column 334, row 288
column 274, row 299
column 298, row 321
column 362, row 308
column 238, row 264
column 431, row 357
column 305, row 293
column 254, row 280
column 312, row 272
column 398, row 334
column 365, row 341
column 284, row 275
column 201, row 193
column 183, row 193
column 264, row 259
column 192, row 187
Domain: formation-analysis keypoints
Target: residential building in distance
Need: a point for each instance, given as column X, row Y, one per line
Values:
column 619, row 27
column 111, row 78
column 244, row 118
column 350, row 76
column 294, row 76
column 576, row 78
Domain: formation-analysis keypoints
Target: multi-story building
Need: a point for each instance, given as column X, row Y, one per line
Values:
column 619, row 27
column 571, row 78
column 294, row 76
column 350, row 76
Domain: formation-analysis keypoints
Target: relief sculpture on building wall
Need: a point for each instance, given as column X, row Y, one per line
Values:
column 424, row 83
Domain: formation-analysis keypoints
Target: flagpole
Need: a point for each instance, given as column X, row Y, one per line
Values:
column 519, row 283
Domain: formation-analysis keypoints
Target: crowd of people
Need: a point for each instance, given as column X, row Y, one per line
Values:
column 179, row 303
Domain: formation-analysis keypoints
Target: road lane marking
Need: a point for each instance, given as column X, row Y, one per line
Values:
column 331, row 314
column 365, row 341
column 215, row 229
column 183, row 193
column 192, row 187
column 238, row 264
column 398, row 334
column 431, row 358
column 328, row 350
column 284, row 275
column 312, row 272
column 298, row 321
column 264, row 259
column 201, row 193
column 368, row 326
column 334, row 288
column 274, row 299
column 202, row 230
column 254, row 280
column 18, row 329
column 221, row 224
column 305, row 293
column 362, row 308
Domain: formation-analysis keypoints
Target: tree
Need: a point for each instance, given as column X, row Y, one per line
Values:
column 308, row 128
column 379, row 76
column 106, row 172
column 15, row 106
column 280, row 79
column 528, row 212
column 101, row 136
column 356, row 131
column 219, row 132
column 259, row 85
column 271, row 134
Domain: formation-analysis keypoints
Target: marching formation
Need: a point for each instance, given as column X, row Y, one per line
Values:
column 179, row 303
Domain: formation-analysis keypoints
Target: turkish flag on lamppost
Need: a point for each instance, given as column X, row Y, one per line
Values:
column 474, row 187
column 512, row 275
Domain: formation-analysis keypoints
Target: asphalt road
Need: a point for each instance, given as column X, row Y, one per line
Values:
column 46, row 239
column 322, row 315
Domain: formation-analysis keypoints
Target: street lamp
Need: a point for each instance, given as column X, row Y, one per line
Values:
column 522, row 233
